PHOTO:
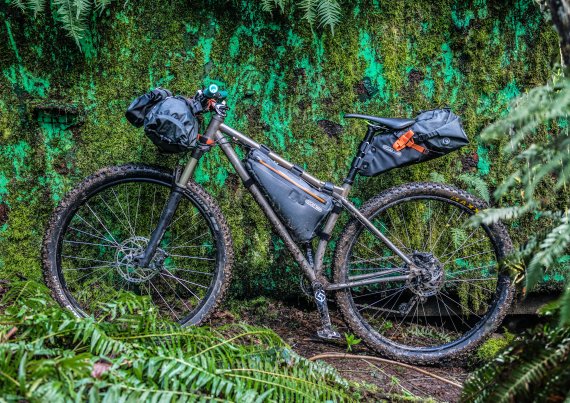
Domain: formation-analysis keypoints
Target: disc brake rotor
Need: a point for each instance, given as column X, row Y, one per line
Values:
column 126, row 256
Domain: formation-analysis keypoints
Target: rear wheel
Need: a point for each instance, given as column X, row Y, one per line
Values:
column 101, row 226
column 458, row 295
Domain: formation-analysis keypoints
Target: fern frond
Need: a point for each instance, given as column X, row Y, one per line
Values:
column 270, row 5
column 553, row 245
column 51, row 356
column 21, row 4
column 476, row 185
column 437, row 177
column 310, row 9
column 329, row 13
column 72, row 14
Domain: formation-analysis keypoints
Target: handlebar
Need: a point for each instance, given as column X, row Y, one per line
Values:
column 210, row 99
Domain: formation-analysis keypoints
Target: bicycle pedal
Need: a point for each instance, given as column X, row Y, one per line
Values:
column 328, row 334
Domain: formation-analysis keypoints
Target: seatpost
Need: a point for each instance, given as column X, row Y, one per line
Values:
column 362, row 148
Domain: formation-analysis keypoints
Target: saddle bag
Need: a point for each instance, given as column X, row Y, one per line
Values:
column 435, row 133
column 301, row 207
column 169, row 121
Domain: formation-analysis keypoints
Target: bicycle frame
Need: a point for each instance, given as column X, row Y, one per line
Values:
column 215, row 134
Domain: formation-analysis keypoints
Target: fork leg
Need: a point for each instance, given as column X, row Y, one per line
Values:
column 326, row 331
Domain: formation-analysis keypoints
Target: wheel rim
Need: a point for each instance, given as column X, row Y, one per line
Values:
column 103, row 235
column 453, row 293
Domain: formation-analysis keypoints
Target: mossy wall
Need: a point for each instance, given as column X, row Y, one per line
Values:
column 62, row 109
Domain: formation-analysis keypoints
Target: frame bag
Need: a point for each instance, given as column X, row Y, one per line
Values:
column 435, row 133
column 169, row 121
column 301, row 207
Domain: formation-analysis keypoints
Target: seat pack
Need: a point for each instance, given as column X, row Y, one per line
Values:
column 433, row 134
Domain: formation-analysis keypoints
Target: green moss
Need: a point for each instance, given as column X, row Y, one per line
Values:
column 494, row 345
column 281, row 76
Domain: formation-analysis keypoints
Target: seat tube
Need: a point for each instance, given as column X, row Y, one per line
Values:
column 357, row 161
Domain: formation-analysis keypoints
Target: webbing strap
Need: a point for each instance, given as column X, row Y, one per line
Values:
column 406, row 140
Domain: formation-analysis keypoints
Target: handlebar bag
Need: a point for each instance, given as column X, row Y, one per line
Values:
column 171, row 125
column 139, row 108
column 435, row 133
column 301, row 207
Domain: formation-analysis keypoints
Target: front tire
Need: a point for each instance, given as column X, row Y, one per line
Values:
column 94, row 235
column 461, row 297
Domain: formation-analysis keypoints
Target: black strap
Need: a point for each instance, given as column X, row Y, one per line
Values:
column 297, row 170
column 248, row 182
column 337, row 208
column 264, row 149
column 425, row 136
column 328, row 188
column 324, row 236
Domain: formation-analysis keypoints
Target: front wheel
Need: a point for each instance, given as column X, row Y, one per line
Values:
column 456, row 298
column 99, row 229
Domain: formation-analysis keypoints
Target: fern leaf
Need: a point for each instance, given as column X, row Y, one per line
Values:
column 72, row 15
column 310, row 8
column 553, row 245
column 476, row 185
column 329, row 13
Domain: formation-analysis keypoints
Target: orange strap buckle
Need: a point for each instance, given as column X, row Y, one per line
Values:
column 209, row 142
column 406, row 140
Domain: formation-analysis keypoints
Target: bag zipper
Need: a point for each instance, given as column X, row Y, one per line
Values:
column 281, row 174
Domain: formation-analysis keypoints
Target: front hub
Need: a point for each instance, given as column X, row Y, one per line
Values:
column 127, row 256
column 427, row 278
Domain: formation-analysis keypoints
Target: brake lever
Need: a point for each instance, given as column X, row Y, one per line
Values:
column 221, row 109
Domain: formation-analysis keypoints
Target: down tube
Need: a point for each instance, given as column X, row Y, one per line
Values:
column 260, row 199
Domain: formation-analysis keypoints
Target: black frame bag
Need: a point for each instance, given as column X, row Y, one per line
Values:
column 435, row 133
column 301, row 207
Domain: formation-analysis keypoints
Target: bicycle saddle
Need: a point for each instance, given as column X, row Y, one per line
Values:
column 391, row 123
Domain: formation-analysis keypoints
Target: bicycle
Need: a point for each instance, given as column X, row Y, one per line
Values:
column 410, row 279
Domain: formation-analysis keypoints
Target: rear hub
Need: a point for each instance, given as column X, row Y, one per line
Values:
column 427, row 277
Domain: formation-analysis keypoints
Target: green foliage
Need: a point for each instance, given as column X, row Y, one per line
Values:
column 494, row 345
column 326, row 12
column 535, row 369
column 47, row 354
column 282, row 79
column 536, row 166
column 72, row 14
column 351, row 340
column 476, row 185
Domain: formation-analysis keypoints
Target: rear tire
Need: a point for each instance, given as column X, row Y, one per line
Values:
column 416, row 347
column 107, row 219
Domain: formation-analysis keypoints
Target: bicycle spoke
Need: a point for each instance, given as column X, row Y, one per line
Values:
column 166, row 303
column 101, row 222
column 182, row 284
column 132, row 231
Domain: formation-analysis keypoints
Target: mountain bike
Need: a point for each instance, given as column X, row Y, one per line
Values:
column 410, row 277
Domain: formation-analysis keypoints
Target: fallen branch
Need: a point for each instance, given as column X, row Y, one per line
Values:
column 386, row 361
column 9, row 335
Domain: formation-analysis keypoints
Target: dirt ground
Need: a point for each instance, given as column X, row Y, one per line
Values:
column 297, row 326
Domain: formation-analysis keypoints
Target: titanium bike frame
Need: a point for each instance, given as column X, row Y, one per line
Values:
column 216, row 133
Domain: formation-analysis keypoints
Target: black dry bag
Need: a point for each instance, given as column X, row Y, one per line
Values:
column 435, row 133
column 301, row 207
column 169, row 121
